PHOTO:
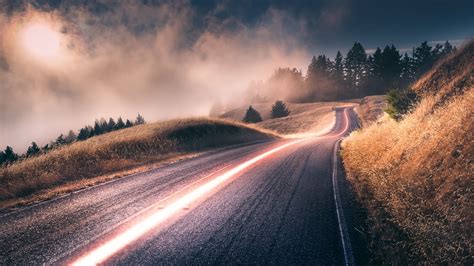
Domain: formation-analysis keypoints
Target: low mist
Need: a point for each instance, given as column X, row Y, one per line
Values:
column 133, row 59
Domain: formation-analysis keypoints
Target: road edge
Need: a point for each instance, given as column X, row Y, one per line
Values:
column 342, row 225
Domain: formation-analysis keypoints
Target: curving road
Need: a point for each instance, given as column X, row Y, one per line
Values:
column 264, row 203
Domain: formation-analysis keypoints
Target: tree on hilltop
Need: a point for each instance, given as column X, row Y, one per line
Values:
column 8, row 156
column 252, row 116
column 120, row 124
column 33, row 149
column 279, row 109
column 60, row 140
column 140, row 120
column 111, row 124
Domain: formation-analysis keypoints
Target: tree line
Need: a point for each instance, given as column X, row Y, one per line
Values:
column 100, row 127
column 356, row 75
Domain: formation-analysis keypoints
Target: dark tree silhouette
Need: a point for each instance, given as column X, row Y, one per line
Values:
column 400, row 102
column 356, row 67
column 2, row 158
column 356, row 75
column 338, row 72
column 279, row 109
column 139, row 120
column 423, row 58
column 46, row 148
column 59, row 140
column 120, row 124
column 97, row 129
column 407, row 67
column 111, row 125
column 252, row 116
column 104, row 127
column 84, row 133
column 320, row 82
column 384, row 70
column 33, row 149
column 9, row 156
column 448, row 48
column 128, row 123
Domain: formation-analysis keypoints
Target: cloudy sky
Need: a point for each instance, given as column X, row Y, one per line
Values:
column 64, row 63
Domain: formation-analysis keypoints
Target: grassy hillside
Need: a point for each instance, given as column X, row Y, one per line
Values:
column 416, row 176
column 305, row 118
column 371, row 109
column 119, row 150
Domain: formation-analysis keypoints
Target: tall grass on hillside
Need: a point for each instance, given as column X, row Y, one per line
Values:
column 416, row 176
column 121, row 150
column 371, row 109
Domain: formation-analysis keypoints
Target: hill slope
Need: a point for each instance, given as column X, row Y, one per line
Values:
column 116, row 151
column 415, row 176
column 305, row 118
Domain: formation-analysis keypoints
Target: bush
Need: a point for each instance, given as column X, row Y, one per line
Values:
column 252, row 116
column 400, row 102
column 279, row 109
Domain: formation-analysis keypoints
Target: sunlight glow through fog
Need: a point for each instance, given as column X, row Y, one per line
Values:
column 41, row 41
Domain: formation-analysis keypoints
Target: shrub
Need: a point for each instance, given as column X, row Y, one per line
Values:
column 252, row 116
column 400, row 102
column 279, row 109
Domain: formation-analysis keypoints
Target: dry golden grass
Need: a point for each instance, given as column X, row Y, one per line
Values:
column 416, row 176
column 117, row 151
column 371, row 109
column 305, row 118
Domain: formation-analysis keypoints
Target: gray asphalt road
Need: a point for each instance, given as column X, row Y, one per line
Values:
column 280, row 210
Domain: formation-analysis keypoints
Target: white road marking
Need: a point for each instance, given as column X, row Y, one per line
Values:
column 344, row 233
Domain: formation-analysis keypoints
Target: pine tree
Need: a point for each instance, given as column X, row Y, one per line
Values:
column 312, row 69
column 111, row 124
column 391, row 68
column 3, row 158
column 103, row 125
column 139, row 120
column 46, row 148
column 120, row 124
column 356, row 67
column 59, row 140
column 376, row 66
column 448, row 48
column 279, row 109
column 9, row 155
column 338, row 68
column 407, row 70
column 128, row 123
column 423, row 58
column 84, row 133
column 97, row 129
column 437, row 51
column 252, row 116
column 33, row 149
